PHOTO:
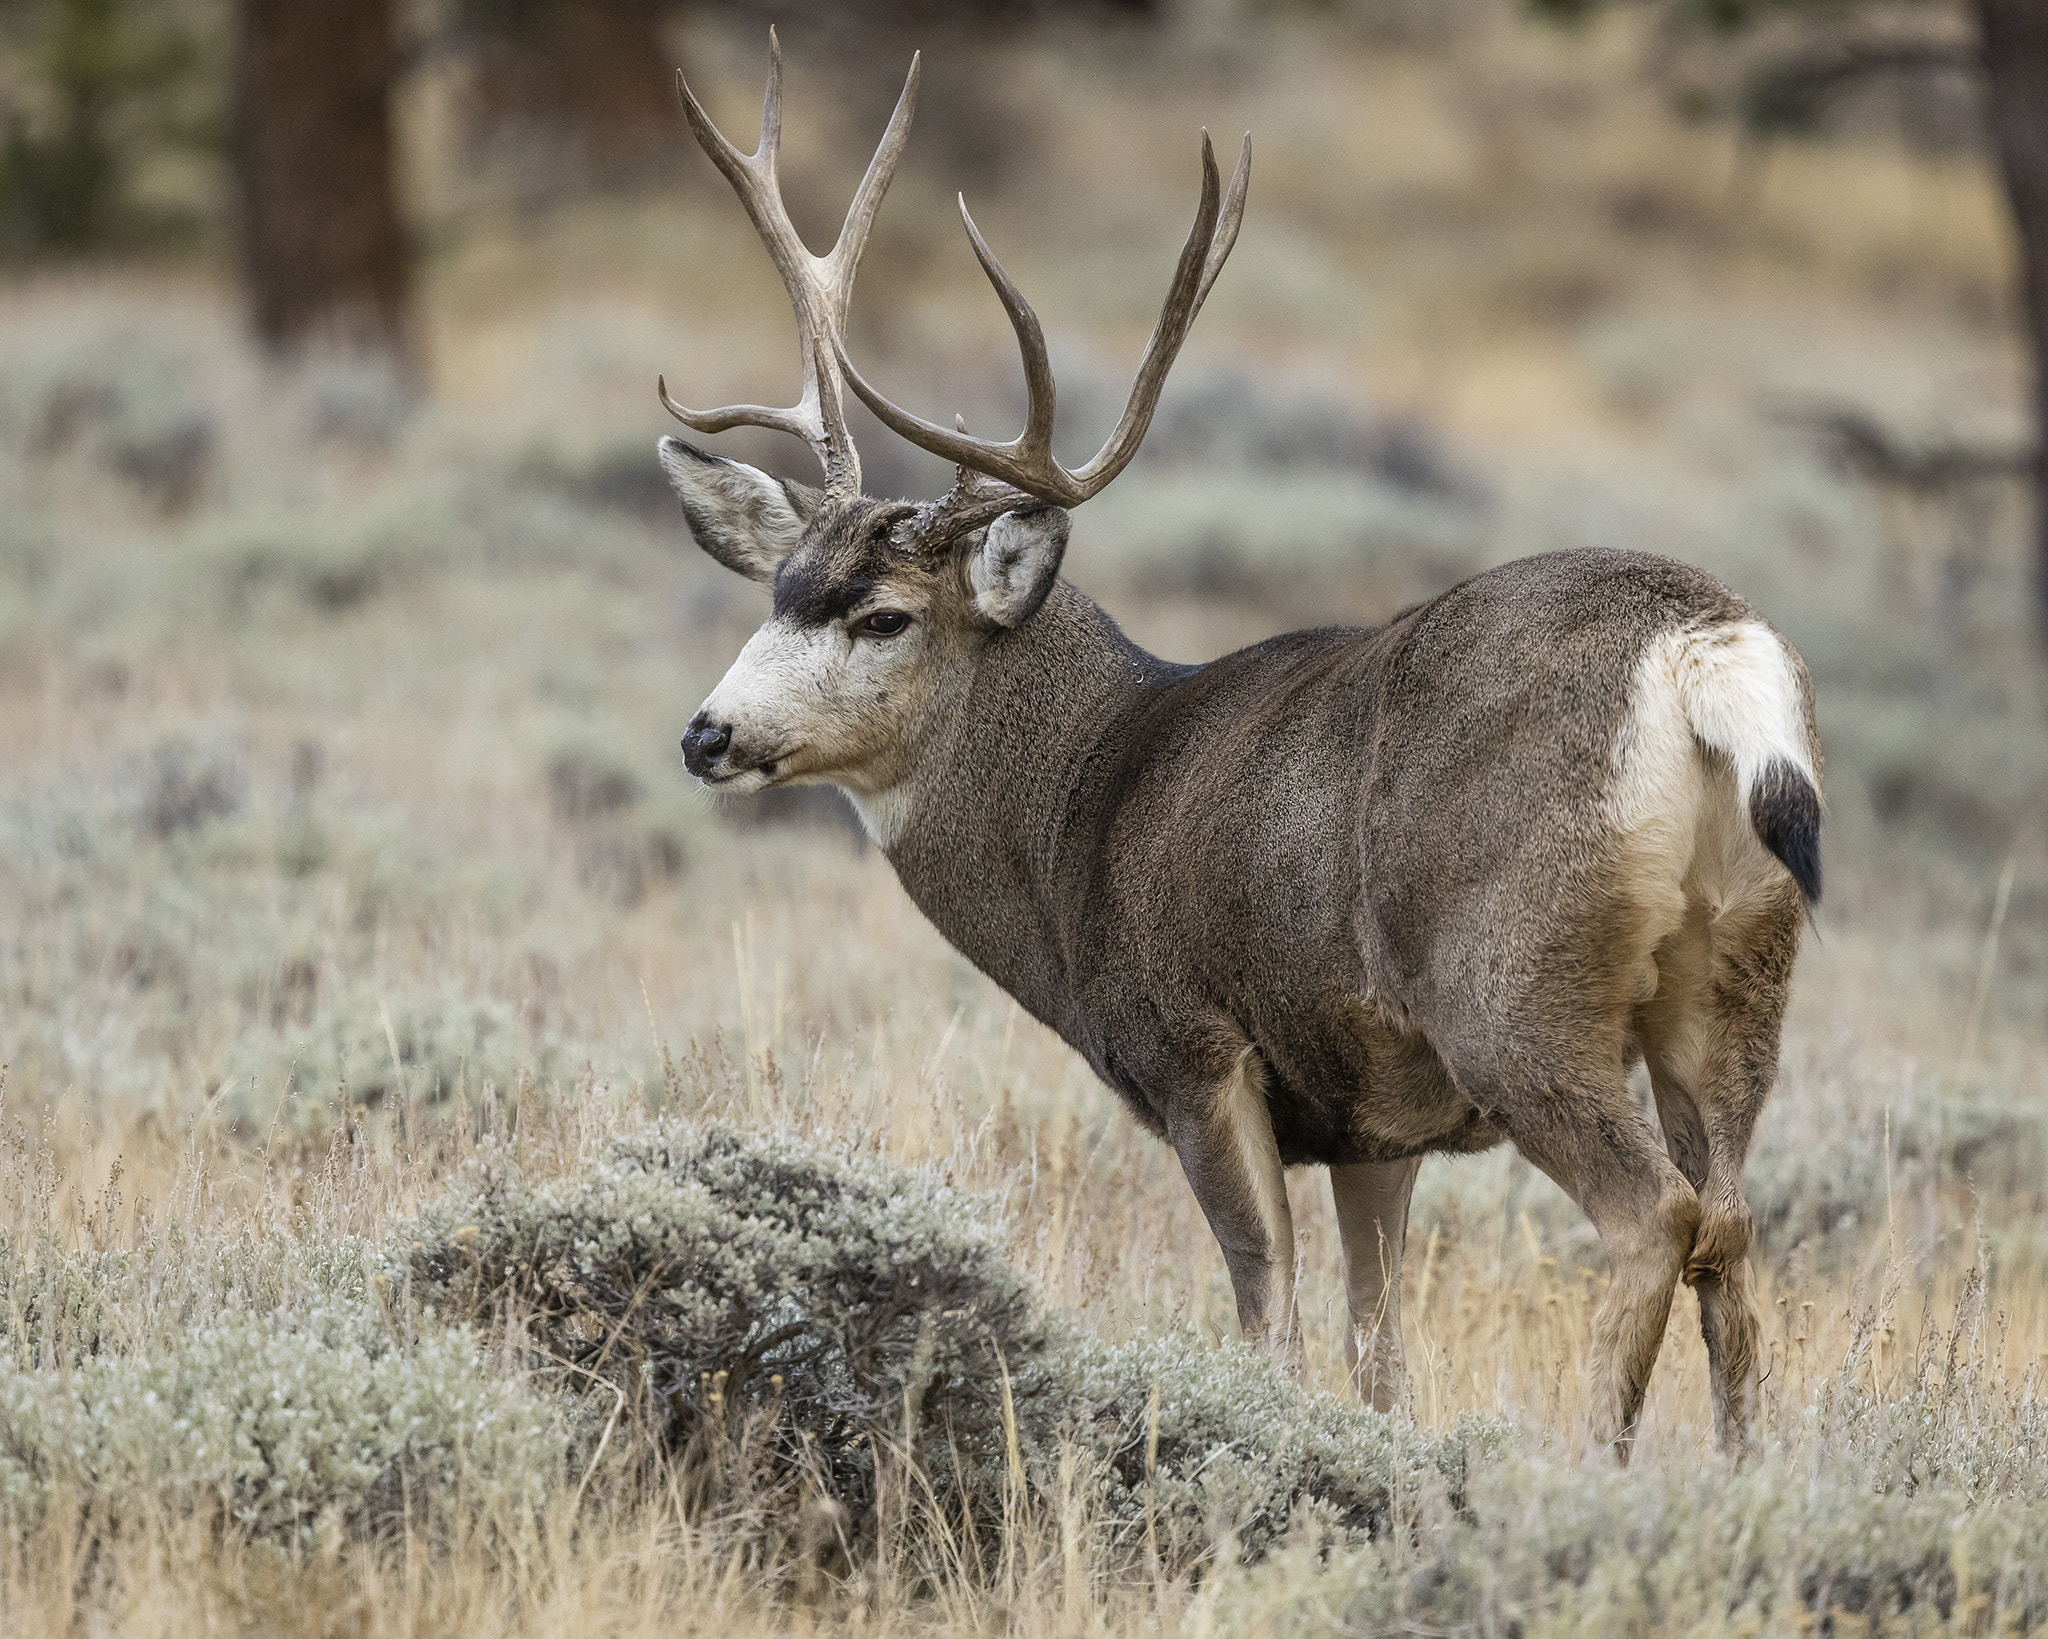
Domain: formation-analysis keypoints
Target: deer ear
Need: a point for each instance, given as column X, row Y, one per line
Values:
column 1012, row 564
column 746, row 520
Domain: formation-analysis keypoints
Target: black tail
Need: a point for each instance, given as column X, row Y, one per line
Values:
column 1785, row 809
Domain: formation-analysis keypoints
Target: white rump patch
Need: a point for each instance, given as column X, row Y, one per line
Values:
column 1731, row 688
column 1741, row 696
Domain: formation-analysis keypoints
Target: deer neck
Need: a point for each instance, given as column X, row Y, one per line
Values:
column 984, row 833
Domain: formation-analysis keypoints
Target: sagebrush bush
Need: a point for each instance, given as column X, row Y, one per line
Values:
column 1237, row 1451
column 721, row 1280
column 1788, row 1542
column 370, row 1049
column 1814, row 1181
column 60, row 1306
column 1952, row 1421
column 816, row 1299
column 283, row 1425
column 330, row 561
column 1928, row 1502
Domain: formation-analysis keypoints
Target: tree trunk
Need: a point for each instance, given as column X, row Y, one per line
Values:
column 585, row 83
column 2015, row 40
column 322, row 247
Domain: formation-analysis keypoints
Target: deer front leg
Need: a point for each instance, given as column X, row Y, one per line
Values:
column 1372, row 1219
column 1226, row 1148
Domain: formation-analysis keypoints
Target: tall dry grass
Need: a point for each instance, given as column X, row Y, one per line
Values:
column 340, row 828
column 1496, row 1313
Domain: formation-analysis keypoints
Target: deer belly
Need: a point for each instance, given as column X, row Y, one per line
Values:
column 1391, row 1102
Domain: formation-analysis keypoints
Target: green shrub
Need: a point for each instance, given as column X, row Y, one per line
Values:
column 810, row 1299
column 724, row 1281
column 445, row 1043
column 1689, row 1546
column 62, row 1306
column 285, row 1425
column 105, row 82
column 1240, row 1452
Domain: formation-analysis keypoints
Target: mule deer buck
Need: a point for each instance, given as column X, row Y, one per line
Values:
column 1348, row 897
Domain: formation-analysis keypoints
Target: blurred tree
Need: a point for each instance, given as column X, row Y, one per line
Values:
column 101, row 80
column 589, row 81
column 323, row 248
column 1790, row 90
column 2014, row 35
column 580, row 91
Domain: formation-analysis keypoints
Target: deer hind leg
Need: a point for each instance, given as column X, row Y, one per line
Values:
column 1226, row 1148
column 1584, row 1129
column 1372, row 1220
column 1710, row 1038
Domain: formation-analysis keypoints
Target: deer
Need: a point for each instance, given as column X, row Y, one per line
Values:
column 1346, row 898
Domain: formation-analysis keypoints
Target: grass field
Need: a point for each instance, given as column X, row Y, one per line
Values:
column 343, row 845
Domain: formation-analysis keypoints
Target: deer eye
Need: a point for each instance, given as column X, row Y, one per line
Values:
column 883, row 623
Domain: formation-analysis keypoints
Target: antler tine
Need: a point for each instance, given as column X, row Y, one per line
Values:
column 769, row 148
column 1025, row 468
column 1183, row 299
column 820, row 288
column 1026, row 461
column 1232, row 219
column 714, row 142
column 867, row 198
column 734, row 415
column 1034, row 444
column 956, row 447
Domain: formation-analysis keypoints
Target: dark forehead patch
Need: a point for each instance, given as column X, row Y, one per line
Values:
column 811, row 598
column 842, row 559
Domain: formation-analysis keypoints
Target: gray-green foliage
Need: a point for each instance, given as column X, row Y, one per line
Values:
column 1237, row 1451
column 368, row 1050
column 259, row 1380
column 1668, row 1548
column 60, row 1306
column 1956, row 1425
column 330, row 561
column 1815, row 1180
column 728, row 1280
column 722, row 1278
column 192, row 876
column 284, row 1424
column 806, row 1302
column 1928, row 1501
column 825, row 1314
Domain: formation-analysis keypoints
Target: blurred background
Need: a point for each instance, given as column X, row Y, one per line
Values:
column 347, row 629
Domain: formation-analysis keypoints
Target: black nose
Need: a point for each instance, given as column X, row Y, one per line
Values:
column 704, row 742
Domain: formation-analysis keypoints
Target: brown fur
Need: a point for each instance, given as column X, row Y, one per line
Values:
column 1369, row 874
column 1348, row 897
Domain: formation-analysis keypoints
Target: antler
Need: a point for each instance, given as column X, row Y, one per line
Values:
column 820, row 287
column 996, row 477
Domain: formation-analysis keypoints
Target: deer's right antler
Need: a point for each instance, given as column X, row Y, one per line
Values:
column 994, row 477
column 820, row 287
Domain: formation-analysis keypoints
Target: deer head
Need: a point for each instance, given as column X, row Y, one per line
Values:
column 882, row 606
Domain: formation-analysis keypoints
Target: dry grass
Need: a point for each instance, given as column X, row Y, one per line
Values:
column 1497, row 1311
column 341, row 782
